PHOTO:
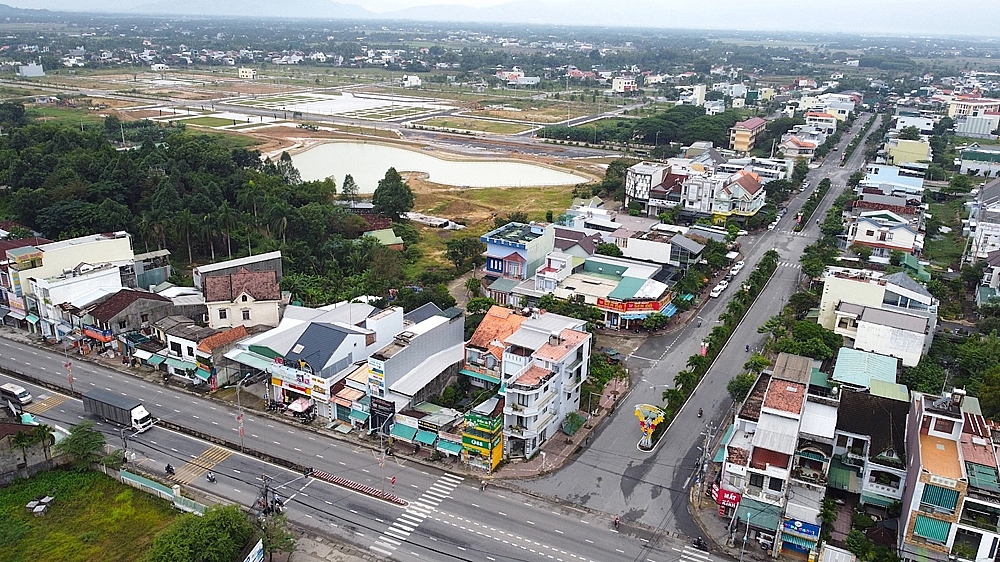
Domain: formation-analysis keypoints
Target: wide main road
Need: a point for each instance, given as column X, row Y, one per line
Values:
column 652, row 488
column 448, row 517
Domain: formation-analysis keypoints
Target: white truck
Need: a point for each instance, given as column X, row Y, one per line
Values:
column 122, row 410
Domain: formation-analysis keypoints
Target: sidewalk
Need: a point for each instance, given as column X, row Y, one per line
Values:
column 559, row 448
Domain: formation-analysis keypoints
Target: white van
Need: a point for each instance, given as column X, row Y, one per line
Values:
column 15, row 394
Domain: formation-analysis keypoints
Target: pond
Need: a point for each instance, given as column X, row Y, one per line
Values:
column 368, row 162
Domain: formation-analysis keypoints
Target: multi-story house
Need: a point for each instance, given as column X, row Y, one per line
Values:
column 57, row 258
column 824, row 122
column 884, row 232
column 983, row 227
column 764, row 441
column 793, row 147
column 51, row 293
column 892, row 180
column 937, row 481
column 741, row 195
column 482, row 436
column 870, row 450
column 545, row 363
column 976, row 160
column 516, row 250
column 484, row 350
column 963, row 106
column 892, row 315
column 245, row 298
column 270, row 261
column 126, row 312
column 899, row 151
column 181, row 336
column 743, row 134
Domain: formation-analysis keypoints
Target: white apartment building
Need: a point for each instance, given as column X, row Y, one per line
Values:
column 545, row 362
column 884, row 232
column 52, row 292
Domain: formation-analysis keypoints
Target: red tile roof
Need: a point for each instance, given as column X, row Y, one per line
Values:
column 737, row 456
column 785, row 395
column 898, row 209
column 569, row 339
column 751, row 123
column 260, row 285
column 21, row 243
column 120, row 301
column 749, row 181
column 223, row 338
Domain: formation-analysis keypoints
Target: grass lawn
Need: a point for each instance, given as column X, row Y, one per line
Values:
column 65, row 115
column 207, row 121
column 946, row 249
column 480, row 125
column 93, row 518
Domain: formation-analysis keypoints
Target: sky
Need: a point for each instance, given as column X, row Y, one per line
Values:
column 914, row 17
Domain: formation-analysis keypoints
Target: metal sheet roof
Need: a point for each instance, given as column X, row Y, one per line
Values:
column 859, row 368
column 776, row 433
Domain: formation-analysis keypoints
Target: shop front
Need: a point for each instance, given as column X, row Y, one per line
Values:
column 630, row 314
column 95, row 339
column 798, row 537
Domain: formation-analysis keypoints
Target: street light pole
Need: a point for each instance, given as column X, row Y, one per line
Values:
column 746, row 535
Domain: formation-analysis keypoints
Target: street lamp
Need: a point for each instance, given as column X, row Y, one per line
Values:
column 746, row 535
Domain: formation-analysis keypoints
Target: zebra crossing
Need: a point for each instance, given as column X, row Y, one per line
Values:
column 415, row 513
column 789, row 264
column 46, row 404
column 200, row 465
column 692, row 554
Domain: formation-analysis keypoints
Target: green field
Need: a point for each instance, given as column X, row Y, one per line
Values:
column 65, row 115
column 207, row 121
column 93, row 518
column 946, row 249
column 479, row 125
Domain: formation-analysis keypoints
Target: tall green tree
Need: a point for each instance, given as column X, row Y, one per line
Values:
column 393, row 196
column 82, row 444
column 277, row 536
column 349, row 190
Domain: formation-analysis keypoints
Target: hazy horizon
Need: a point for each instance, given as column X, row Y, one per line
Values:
column 908, row 17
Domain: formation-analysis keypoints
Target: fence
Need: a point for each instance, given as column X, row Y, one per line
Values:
column 155, row 488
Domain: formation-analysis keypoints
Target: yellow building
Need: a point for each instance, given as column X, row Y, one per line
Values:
column 744, row 134
column 482, row 438
column 898, row 151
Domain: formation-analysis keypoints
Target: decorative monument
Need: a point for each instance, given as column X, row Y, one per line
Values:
column 649, row 416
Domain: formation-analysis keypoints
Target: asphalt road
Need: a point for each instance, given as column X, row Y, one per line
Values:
column 612, row 474
column 448, row 517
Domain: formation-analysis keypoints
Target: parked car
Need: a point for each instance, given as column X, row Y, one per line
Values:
column 717, row 290
column 613, row 354
column 737, row 267
column 743, row 233
column 772, row 225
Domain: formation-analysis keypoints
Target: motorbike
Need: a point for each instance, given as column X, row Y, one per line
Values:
column 617, row 521
column 169, row 470
column 699, row 412
column 211, row 477
column 700, row 544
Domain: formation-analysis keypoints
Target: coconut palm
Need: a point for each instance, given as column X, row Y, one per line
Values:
column 227, row 216
column 44, row 434
column 23, row 440
column 186, row 222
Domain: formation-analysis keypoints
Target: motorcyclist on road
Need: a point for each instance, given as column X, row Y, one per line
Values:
column 169, row 469
column 748, row 348
column 616, row 521
column 699, row 412
column 211, row 476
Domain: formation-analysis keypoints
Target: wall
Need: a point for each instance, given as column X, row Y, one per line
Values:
column 907, row 346
column 68, row 256
column 262, row 313
column 836, row 289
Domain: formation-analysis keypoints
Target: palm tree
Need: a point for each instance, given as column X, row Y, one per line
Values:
column 278, row 214
column 23, row 440
column 186, row 222
column 208, row 228
column 248, row 195
column 473, row 285
column 756, row 363
column 226, row 216
column 686, row 381
column 43, row 434
column 697, row 363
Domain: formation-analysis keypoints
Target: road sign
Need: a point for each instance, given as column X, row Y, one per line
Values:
column 239, row 418
column 241, row 432
column 68, row 365
column 70, row 377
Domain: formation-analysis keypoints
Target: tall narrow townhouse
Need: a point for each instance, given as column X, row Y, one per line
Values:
column 937, row 480
column 544, row 365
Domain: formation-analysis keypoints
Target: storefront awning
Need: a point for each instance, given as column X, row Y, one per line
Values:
column 480, row 376
column 634, row 315
column 875, row 499
column 404, row 432
column 721, row 453
column 250, row 359
column 182, row 365
column 202, row 374
column 359, row 415
column 426, row 437
column 761, row 515
column 798, row 541
column 16, row 315
column 449, row 447
column 155, row 359
column 140, row 354
column 4, row 311
column 31, row 318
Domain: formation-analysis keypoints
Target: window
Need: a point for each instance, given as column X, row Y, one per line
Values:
column 869, row 233
column 175, row 347
column 243, row 298
column 246, row 314
column 122, row 324
column 775, row 484
column 842, row 441
column 223, row 313
column 144, row 318
column 522, row 400
column 757, row 480
column 943, row 425
column 941, row 499
column 190, row 350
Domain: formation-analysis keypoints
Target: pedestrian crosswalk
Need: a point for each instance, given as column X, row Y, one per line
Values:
column 45, row 404
column 790, row 264
column 692, row 554
column 201, row 464
column 415, row 513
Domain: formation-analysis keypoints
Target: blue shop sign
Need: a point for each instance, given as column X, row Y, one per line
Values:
column 800, row 528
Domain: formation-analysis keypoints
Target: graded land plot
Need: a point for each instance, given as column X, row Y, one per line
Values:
column 477, row 125
column 347, row 105
column 531, row 111
column 65, row 115
column 945, row 248
column 93, row 517
column 207, row 121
